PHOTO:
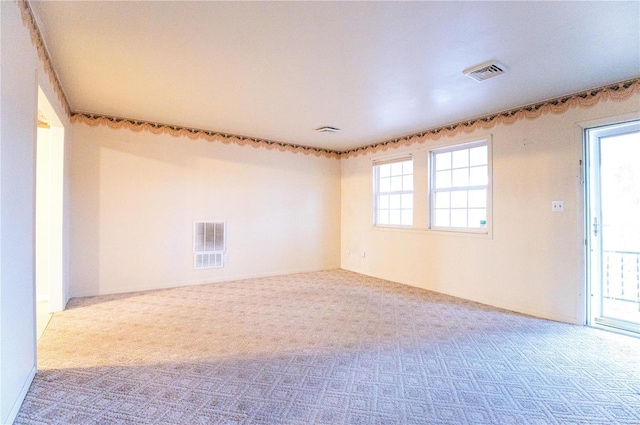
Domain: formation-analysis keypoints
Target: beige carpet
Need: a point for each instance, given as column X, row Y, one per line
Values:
column 323, row 348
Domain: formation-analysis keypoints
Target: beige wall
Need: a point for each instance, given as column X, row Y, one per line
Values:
column 533, row 263
column 21, row 74
column 135, row 196
column 131, row 200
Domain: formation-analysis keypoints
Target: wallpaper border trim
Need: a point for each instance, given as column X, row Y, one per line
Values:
column 585, row 99
column 29, row 21
column 196, row 133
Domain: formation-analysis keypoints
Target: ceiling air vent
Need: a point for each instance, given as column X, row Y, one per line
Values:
column 327, row 129
column 485, row 71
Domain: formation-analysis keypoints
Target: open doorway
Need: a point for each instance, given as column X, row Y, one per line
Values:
column 49, row 214
column 613, row 210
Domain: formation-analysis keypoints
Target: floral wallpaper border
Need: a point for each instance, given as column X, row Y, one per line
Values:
column 29, row 21
column 585, row 99
column 612, row 92
column 194, row 133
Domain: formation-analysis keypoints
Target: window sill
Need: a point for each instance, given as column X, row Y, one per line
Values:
column 437, row 232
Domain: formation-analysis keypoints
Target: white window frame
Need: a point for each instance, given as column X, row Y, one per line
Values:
column 488, row 187
column 376, row 163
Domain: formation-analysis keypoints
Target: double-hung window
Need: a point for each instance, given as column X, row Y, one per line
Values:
column 393, row 192
column 459, row 187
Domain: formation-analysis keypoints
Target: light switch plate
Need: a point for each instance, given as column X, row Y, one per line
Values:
column 557, row 206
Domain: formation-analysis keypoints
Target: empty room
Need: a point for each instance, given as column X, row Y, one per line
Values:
column 319, row 212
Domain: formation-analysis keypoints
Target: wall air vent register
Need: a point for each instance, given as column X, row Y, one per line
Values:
column 209, row 244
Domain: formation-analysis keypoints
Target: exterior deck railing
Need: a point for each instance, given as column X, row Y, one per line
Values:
column 621, row 276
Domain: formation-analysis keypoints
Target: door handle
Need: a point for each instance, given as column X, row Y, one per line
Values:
column 596, row 226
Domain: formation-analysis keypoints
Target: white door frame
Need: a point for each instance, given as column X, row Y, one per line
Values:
column 55, row 248
column 593, row 132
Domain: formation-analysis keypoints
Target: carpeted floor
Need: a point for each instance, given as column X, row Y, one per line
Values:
column 323, row 348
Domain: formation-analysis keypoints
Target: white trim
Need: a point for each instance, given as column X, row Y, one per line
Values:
column 453, row 141
column 434, row 232
column 460, row 146
column 591, row 133
column 581, row 220
column 613, row 330
column 377, row 193
column 57, row 281
column 503, row 304
column 172, row 284
column 452, row 147
column 583, row 274
column 13, row 413
column 389, row 159
column 601, row 122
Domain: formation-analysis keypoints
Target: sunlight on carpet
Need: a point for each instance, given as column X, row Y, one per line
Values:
column 329, row 347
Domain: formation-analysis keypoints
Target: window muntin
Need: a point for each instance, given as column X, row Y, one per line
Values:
column 459, row 187
column 393, row 192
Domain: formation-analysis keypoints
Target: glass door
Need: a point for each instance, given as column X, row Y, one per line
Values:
column 613, row 217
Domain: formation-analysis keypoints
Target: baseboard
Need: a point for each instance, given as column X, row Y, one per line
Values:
column 492, row 303
column 541, row 315
column 18, row 403
column 169, row 285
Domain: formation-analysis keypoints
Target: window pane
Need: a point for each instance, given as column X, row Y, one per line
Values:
column 442, row 199
column 459, row 218
column 478, row 176
column 383, row 201
column 407, row 167
column 385, row 170
column 407, row 201
column 460, row 178
column 454, row 173
column 443, row 179
column 477, row 198
column 394, row 201
column 478, row 156
column 477, row 218
column 407, row 217
column 460, row 158
column 383, row 217
column 396, row 169
column 459, row 199
column 396, row 209
column 394, row 217
column 407, row 182
column 442, row 218
column 443, row 161
column 396, row 183
column 385, row 185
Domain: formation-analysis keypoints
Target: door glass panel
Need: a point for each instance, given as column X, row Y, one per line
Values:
column 613, row 206
column 620, row 204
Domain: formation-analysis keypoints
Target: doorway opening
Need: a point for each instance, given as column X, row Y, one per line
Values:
column 49, row 214
column 613, row 226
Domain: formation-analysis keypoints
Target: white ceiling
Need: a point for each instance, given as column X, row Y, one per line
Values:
column 376, row 70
